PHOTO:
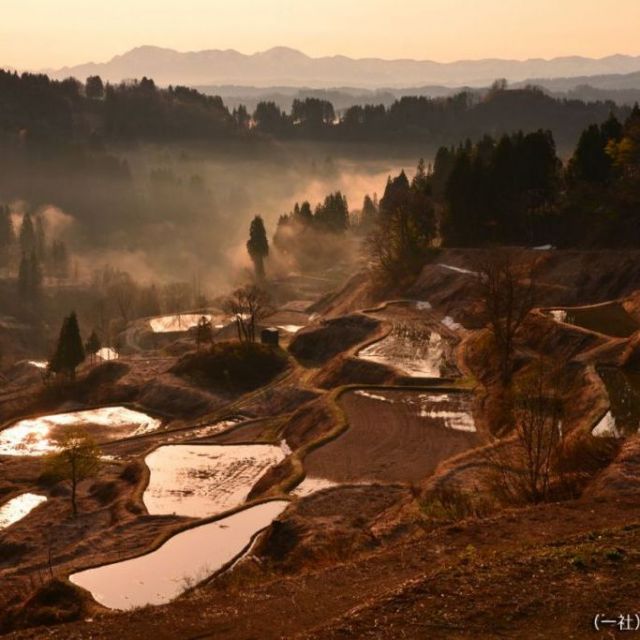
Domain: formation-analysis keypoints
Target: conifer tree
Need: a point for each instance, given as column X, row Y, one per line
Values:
column 27, row 234
column 69, row 351
column 258, row 245
column 29, row 277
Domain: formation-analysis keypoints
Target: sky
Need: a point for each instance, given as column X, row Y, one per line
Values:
column 39, row 34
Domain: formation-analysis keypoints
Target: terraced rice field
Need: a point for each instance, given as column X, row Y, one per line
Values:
column 395, row 436
column 609, row 319
column 181, row 562
column 36, row 436
column 623, row 418
column 410, row 348
column 18, row 507
column 204, row 480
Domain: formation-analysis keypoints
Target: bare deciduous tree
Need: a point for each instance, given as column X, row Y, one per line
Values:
column 524, row 465
column 248, row 305
column 507, row 291
column 122, row 292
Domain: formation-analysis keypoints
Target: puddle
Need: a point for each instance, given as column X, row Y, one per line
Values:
column 312, row 484
column 203, row 480
column 180, row 563
column 181, row 322
column 414, row 350
column 623, row 388
column 609, row 319
column 35, row 436
column 18, row 507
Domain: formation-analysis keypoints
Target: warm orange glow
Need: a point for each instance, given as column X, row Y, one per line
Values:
column 42, row 34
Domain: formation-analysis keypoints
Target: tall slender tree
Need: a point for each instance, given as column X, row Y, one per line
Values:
column 27, row 234
column 69, row 351
column 258, row 245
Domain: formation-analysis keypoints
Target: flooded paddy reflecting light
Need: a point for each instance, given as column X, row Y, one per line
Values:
column 413, row 350
column 183, row 561
column 181, row 322
column 107, row 353
column 203, row 480
column 36, row 436
column 312, row 484
column 18, row 507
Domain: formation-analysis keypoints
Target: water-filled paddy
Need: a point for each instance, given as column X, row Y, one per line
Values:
column 18, row 507
column 36, row 436
column 107, row 353
column 312, row 484
column 410, row 348
column 395, row 436
column 609, row 319
column 204, row 480
column 184, row 560
column 182, row 322
column 623, row 387
column 291, row 328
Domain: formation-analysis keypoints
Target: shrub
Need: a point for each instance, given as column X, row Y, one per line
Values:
column 54, row 602
column 13, row 551
column 453, row 504
column 233, row 366
column 131, row 473
column 104, row 492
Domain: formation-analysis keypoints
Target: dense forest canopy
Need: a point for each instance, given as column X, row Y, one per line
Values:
column 37, row 108
column 120, row 159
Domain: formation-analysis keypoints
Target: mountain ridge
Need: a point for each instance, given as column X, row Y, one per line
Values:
column 281, row 65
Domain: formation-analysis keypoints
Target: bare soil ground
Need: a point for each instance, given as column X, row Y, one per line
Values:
column 543, row 572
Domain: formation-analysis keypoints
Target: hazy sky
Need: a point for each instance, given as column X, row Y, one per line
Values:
column 52, row 33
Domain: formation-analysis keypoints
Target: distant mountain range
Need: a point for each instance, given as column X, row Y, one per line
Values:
column 623, row 89
column 286, row 67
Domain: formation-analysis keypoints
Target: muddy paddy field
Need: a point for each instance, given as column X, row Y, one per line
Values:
column 395, row 436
